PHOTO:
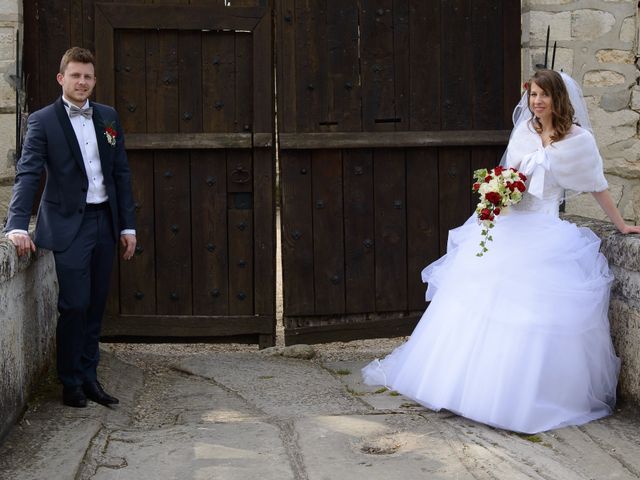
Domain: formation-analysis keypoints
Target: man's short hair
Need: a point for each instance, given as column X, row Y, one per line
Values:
column 76, row 54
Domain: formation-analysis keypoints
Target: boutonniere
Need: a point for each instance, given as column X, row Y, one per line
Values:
column 111, row 134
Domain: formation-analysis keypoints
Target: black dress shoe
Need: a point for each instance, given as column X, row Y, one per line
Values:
column 74, row 397
column 95, row 392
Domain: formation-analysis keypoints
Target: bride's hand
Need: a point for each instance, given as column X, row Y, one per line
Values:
column 630, row 229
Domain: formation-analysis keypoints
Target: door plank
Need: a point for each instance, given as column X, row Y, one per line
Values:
column 423, row 236
column 390, row 227
column 209, row 237
column 328, row 236
column 359, row 232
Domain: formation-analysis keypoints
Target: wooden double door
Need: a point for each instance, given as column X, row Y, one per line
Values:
column 193, row 87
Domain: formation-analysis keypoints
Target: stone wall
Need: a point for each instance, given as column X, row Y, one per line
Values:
column 28, row 313
column 598, row 46
column 623, row 254
column 10, row 24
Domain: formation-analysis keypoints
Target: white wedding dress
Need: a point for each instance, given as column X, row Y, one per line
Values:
column 518, row 338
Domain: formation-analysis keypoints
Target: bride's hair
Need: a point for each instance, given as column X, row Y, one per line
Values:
column 562, row 112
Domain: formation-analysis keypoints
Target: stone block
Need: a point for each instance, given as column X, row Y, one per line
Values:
column 564, row 59
column 612, row 127
column 628, row 30
column 548, row 2
column 7, row 144
column 622, row 167
column 586, row 206
column 631, row 208
column 635, row 98
column 614, row 101
column 603, row 78
column 625, row 331
column 560, row 23
column 589, row 24
column 612, row 55
column 7, row 92
column 7, row 43
column 9, row 7
column 28, row 299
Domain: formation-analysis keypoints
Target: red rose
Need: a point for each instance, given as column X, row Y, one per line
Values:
column 488, row 178
column 522, row 177
column 511, row 186
column 491, row 217
column 476, row 186
column 485, row 213
column 494, row 197
column 520, row 186
column 498, row 170
column 496, row 211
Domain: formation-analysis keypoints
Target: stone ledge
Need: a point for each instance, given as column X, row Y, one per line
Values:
column 623, row 254
column 28, row 301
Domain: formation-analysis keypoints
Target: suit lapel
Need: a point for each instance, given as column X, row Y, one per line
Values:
column 65, row 123
column 100, row 126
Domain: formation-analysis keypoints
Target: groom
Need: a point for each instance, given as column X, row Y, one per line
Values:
column 86, row 205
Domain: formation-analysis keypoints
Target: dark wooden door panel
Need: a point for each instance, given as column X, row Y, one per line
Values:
column 192, row 85
column 412, row 96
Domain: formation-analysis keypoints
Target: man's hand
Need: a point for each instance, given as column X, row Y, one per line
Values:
column 129, row 244
column 23, row 243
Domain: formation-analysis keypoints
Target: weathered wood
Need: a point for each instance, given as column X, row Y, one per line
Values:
column 342, row 101
column 190, row 81
column 209, row 232
column 138, row 276
column 75, row 23
column 130, row 75
column 55, row 34
column 310, row 64
column 104, row 42
column 349, row 327
column 194, row 17
column 189, row 326
column 454, row 190
column 219, row 64
column 297, row 233
column 243, row 84
column 425, row 47
column 486, row 58
column 328, row 246
column 423, row 235
column 377, row 67
column 401, row 64
column 285, row 11
column 240, row 238
column 392, row 139
column 359, row 231
column 511, row 57
column 261, row 59
column 31, row 54
column 264, row 241
column 456, row 75
column 172, row 233
column 163, row 103
column 391, row 229
column 180, row 141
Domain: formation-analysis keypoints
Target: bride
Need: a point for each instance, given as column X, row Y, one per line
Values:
column 519, row 337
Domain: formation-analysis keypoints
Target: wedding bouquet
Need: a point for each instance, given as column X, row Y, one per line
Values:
column 498, row 188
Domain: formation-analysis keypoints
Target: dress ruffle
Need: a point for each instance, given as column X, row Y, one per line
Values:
column 518, row 338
